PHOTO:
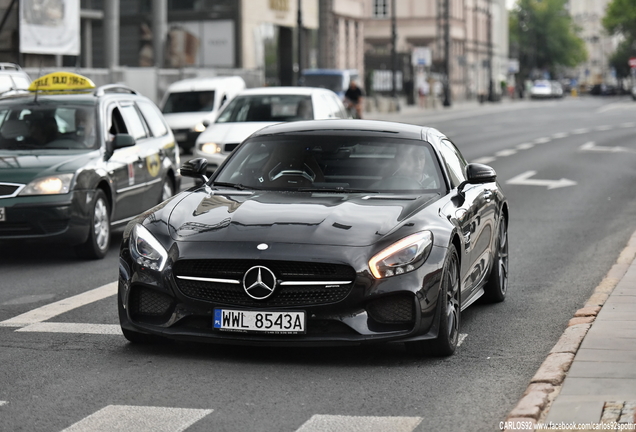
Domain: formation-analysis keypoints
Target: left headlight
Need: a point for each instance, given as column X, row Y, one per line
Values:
column 402, row 256
column 210, row 148
column 52, row 185
column 146, row 250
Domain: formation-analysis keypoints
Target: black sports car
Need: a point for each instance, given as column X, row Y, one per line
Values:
column 320, row 233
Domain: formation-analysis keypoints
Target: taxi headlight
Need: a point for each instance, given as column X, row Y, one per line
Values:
column 210, row 148
column 403, row 256
column 146, row 250
column 199, row 127
column 52, row 185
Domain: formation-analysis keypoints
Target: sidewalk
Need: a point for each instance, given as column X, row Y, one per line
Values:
column 588, row 381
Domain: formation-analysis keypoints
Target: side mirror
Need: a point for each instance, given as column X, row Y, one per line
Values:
column 123, row 140
column 206, row 122
column 195, row 168
column 476, row 174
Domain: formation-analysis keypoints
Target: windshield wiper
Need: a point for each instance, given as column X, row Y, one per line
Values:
column 234, row 185
column 336, row 189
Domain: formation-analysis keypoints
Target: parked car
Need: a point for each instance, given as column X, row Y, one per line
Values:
column 254, row 109
column 76, row 160
column 190, row 105
column 557, row 89
column 336, row 80
column 541, row 89
column 320, row 233
column 13, row 79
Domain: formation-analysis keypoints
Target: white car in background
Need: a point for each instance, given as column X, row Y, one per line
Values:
column 253, row 109
column 541, row 89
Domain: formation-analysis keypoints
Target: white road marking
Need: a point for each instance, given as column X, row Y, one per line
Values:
column 339, row 423
column 49, row 311
column 461, row 338
column 524, row 179
column 542, row 140
column 560, row 135
column 592, row 147
column 580, row 131
column 504, row 153
column 52, row 327
column 525, row 146
column 628, row 125
column 485, row 160
column 3, row 403
column 122, row 418
column 603, row 128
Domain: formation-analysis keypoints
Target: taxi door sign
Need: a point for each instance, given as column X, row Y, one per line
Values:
column 61, row 81
column 153, row 163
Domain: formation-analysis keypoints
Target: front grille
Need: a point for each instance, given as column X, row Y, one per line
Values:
column 285, row 295
column 147, row 302
column 7, row 189
column 227, row 148
column 395, row 309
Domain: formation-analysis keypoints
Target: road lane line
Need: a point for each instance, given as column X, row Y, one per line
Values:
column 3, row 403
column 53, row 327
column 603, row 128
column 123, row 418
column 559, row 135
column 525, row 146
column 53, row 309
column 504, row 153
column 580, row 131
column 542, row 140
column 628, row 124
column 340, row 423
column 461, row 338
column 485, row 160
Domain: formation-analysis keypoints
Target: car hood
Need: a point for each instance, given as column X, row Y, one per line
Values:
column 223, row 133
column 291, row 217
column 187, row 120
column 24, row 166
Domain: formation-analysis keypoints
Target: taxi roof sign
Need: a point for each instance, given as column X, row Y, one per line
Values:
column 61, row 81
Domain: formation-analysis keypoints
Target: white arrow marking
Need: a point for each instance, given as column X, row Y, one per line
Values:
column 524, row 179
column 591, row 146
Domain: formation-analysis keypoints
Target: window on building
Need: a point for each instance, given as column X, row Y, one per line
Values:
column 381, row 8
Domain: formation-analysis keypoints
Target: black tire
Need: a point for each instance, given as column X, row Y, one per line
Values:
column 450, row 313
column 167, row 190
column 98, row 242
column 497, row 285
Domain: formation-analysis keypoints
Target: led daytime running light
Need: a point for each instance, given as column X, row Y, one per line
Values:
column 152, row 255
column 421, row 240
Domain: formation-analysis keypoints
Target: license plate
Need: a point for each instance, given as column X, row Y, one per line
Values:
column 180, row 136
column 3, row 214
column 259, row 321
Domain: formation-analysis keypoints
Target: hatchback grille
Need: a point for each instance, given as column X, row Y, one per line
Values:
column 289, row 294
column 395, row 309
column 8, row 189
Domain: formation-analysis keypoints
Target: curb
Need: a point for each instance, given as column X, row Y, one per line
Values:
column 545, row 386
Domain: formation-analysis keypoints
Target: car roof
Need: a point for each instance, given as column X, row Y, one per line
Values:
column 194, row 84
column 306, row 91
column 360, row 127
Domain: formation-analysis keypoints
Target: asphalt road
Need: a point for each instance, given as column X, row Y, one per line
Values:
column 564, row 237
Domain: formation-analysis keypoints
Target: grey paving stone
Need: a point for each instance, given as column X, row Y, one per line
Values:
column 616, row 312
column 606, row 369
column 615, row 299
column 619, row 356
column 568, row 409
column 625, row 329
column 607, row 389
column 603, row 342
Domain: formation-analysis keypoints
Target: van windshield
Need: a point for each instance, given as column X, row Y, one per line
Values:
column 192, row 101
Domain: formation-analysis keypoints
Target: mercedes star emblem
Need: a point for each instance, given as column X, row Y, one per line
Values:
column 259, row 282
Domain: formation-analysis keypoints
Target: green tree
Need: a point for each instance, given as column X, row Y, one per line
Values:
column 544, row 37
column 620, row 19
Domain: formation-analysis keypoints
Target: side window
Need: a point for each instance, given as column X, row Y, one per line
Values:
column 134, row 123
column 153, row 118
column 340, row 113
column 454, row 162
column 332, row 108
column 116, row 123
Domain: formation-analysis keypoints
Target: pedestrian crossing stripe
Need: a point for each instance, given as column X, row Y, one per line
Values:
column 76, row 328
column 123, row 418
column 339, row 423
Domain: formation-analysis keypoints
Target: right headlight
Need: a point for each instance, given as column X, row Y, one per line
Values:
column 210, row 148
column 146, row 250
column 402, row 256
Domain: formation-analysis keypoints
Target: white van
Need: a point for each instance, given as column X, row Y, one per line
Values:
column 336, row 80
column 190, row 105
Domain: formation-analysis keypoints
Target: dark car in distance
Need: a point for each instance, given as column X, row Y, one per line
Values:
column 322, row 232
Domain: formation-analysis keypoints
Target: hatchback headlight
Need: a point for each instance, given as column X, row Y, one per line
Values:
column 210, row 148
column 52, row 185
column 403, row 256
column 146, row 250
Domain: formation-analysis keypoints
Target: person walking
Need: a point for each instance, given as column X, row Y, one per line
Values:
column 423, row 90
column 353, row 99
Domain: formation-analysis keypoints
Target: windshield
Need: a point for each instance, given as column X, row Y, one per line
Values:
column 267, row 108
column 333, row 163
column 47, row 126
column 192, row 101
column 331, row 82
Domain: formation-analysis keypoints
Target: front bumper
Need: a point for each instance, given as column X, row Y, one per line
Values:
column 54, row 218
column 400, row 308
